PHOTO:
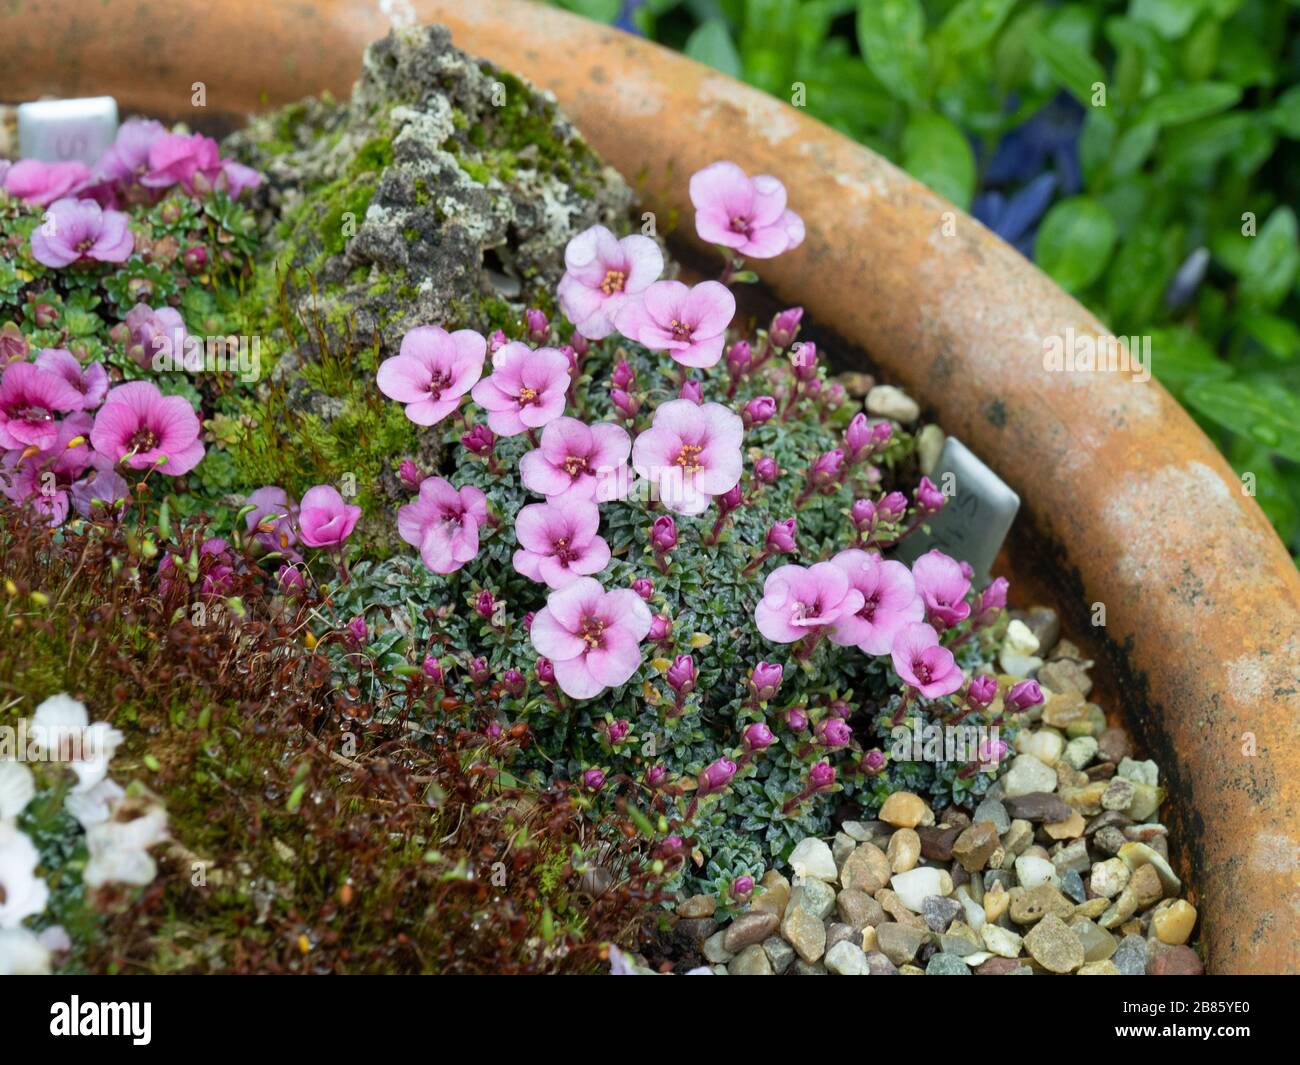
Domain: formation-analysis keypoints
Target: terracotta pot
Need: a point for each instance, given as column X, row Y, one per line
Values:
column 1127, row 503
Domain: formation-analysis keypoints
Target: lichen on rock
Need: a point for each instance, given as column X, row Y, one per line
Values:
column 443, row 193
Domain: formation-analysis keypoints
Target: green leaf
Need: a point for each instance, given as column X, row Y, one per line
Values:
column 600, row 10
column 891, row 35
column 1075, row 241
column 1180, row 358
column 936, row 152
column 1260, row 410
column 1285, row 115
column 711, row 43
column 972, row 24
column 1272, row 262
column 1169, row 18
column 1071, row 66
column 1189, row 103
column 1278, row 336
column 1276, row 498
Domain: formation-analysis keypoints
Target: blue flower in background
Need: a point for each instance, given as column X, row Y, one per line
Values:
column 1029, row 166
column 625, row 20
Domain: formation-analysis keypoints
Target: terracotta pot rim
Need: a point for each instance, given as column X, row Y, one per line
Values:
column 1132, row 504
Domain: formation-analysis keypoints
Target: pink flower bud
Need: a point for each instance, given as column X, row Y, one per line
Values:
column 656, row 776
column 669, row 847
column 828, row 467
column 982, row 690
column 537, row 324
column 928, row 497
column 781, row 536
column 593, row 779
column 478, row 671
column 497, row 341
column 357, row 632
column 618, row 730
column 493, row 730
column 839, row 708
column 409, row 474
column 757, row 737
column 660, row 628
column 796, row 720
column 579, row 344
column 663, row 534
column 45, row 316
column 785, row 327
column 863, row 514
column 892, row 507
column 873, row 762
column 693, row 390
column 627, row 405
column 857, row 438
column 742, row 888
column 765, row 680
column 514, row 682
column 194, row 259
column 821, row 777
column 1023, row 695
column 994, row 597
column 290, row 579
column 880, row 434
column 644, row 587
column 804, row 360
column 544, row 671
column 716, row 776
column 431, row 669
column 485, row 605
column 833, row 733
column 731, row 499
column 623, row 375
column 739, row 358
column 480, row 440
column 966, row 570
column 766, row 470
column 758, row 410
column 14, row 345
column 682, row 675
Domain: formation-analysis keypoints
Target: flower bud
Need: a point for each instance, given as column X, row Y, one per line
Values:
column 873, row 762
column 731, row 499
column 663, row 534
column 765, row 680
column 357, row 632
column 781, row 535
column 804, row 360
column 497, row 341
column 480, row 440
column 593, row 779
column 618, row 730
column 785, row 327
column 757, row 737
column 833, row 733
column 409, row 474
column 579, row 344
column 478, row 671
column 432, row 669
column 983, row 689
column 742, row 888
column 485, row 605
column 656, row 776
column 537, row 324
column 716, row 776
column 795, row 719
column 828, row 467
column 892, row 507
column 1023, row 695
column 544, row 671
column 660, row 628
column 693, row 390
column 759, row 409
column 682, row 675
column 928, row 497
column 623, row 375
column 644, row 587
column 863, row 514
column 194, row 259
column 766, row 470
column 739, row 358
column 857, row 438
column 627, row 405
column 514, row 682
column 994, row 597
column 821, row 777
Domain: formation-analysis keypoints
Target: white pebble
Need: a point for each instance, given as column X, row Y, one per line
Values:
column 812, row 857
column 914, row 886
column 1032, row 871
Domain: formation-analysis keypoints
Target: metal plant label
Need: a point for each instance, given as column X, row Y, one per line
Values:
column 59, row 131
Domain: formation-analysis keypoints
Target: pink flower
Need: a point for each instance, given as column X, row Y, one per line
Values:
column 324, row 520
column 759, row 409
column 602, row 274
column 744, row 213
column 682, row 675
column 443, row 523
column 922, row 663
column 99, row 490
column 558, row 542
column 91, row 381
column 929, row 499
column 216, row 569
column 578, row 460
column 785, row 326
column 942, row 584
column 757, row 737
column 139, row 426
column 47, row 476
column 151, row 333
column 1023, row 695
column 889, row 602
column 127, row 159
column 192, row 161
column 432, row 371
column 765, row 679
column 77, row 230
column 592, row 636
column 525, row 390
column 40, row 184
column 716, row 776
column 800, row 601
column 691, row 452
column 30, row 400
column 689, row 323
column 272, row 519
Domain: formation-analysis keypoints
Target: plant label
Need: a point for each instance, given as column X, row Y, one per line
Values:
column 975, row 519
column 60, row 131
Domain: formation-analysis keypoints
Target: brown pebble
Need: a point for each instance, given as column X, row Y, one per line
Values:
column 1176, row 961
column 1114, row 745
column 936, row 843
column 997, row 966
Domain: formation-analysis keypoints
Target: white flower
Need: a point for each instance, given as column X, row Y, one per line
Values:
column 119, row 847
column 17, row 789
column 92, row 806
column 22, row 893
column 61, row 728
column 98, row 745
column 58, row 714
column 22, row 954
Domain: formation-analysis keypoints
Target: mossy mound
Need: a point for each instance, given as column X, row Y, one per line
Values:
column 442, row 193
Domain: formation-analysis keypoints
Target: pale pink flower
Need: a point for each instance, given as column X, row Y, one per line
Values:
column 744, row 213
column 139, row 426
column 601, row 274
column 525, row 390
column 154, row 333
column 31, row 398
column 78, row 230
column 689, row 323
column 592, row 636
column 580, row 460
column 691, row 452
column 889, row 602
column 324, row 520
column 443, row 523
column 91, row 381
column 801, row 601
column 432, row 371
column 40, row 184
column 272, row 520
column 47, row 476
column 558, row 541
column 942, row 584
column 194, row 162
column 99, row 490
column 922, row 663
